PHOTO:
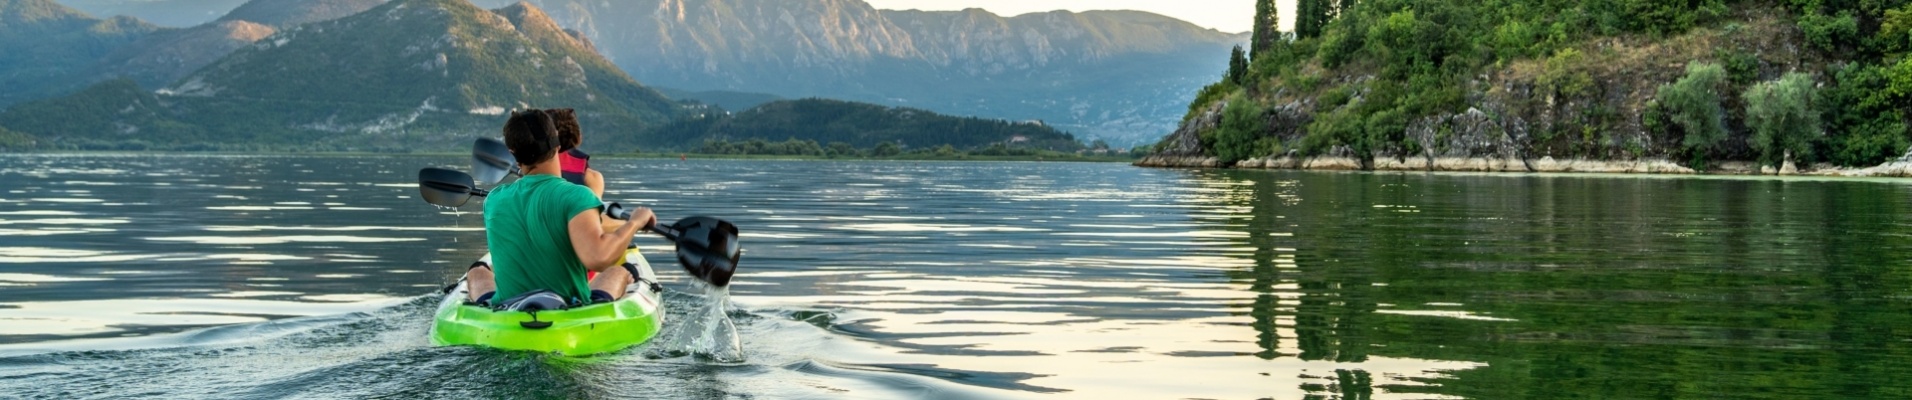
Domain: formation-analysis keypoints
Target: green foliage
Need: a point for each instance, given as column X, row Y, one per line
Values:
column 841, row 149
column 1209, row 95
column 1665, row 17
column 1565, row 74
column 1692, row 104
column 1784, row 117
column 1237, row 66
column 1340, row 46
column 1827, row 32
column 1741, row 66
column 1863, row 124
column 1895, row 30
column 1267, row 27
column 886, row 149
column 16, row 141
column 1241, row 128
column 862, row 125
column 1311, row 17
column 791, row 147
column 1516, row 39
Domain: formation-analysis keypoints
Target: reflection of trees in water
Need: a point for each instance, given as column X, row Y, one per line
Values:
column 1604, row 287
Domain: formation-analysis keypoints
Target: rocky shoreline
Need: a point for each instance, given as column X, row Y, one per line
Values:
column 1900, row 168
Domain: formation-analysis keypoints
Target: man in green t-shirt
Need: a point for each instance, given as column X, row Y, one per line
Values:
column 544, row 232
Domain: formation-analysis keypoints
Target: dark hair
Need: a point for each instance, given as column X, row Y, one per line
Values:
column 531, row 136
column 570, row 136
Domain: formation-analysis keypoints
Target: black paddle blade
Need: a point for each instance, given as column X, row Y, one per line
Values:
column 444, row 187
column 491, row 161
column 708, row 249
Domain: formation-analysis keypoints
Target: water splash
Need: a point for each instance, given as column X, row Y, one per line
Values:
column 706, row 331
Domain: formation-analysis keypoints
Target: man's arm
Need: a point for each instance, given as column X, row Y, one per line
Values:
column 599, row 250
column 594, row 180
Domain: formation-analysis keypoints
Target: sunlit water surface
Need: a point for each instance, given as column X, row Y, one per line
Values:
column 248, row 277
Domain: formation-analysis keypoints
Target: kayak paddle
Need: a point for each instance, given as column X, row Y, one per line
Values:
column 707, row 247
column 491, row 161
column 447, row 188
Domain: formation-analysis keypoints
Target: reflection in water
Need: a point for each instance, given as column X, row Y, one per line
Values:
column 277, row 276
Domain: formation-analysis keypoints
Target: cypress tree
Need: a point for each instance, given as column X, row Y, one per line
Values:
column 1237, row 67
column 1310, row 15
column 1267, row 27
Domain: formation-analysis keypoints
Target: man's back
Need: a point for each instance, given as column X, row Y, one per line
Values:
column 527, row 230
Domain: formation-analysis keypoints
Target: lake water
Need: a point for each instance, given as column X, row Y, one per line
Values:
column 314, row 277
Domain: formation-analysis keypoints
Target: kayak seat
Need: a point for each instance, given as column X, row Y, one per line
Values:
column 541, row 300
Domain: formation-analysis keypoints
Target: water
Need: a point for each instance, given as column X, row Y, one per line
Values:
column 312, row 277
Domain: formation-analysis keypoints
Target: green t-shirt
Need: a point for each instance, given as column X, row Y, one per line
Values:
column 527, row 228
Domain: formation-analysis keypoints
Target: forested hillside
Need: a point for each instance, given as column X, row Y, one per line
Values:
column 1696, row 82
column 860, row 126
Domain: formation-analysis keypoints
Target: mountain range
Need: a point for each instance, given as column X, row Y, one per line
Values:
column 1121, row 75
column 1116, row 75
column 404, row 74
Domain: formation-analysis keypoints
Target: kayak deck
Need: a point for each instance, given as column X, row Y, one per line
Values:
column 594, row 329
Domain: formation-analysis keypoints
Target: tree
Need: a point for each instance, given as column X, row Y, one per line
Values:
column 841, row 149
column 1693, row 105
column 1267, row 27
column 1305, row 23
column 1099, row 144
column 1784, row 116
column 886, row 149
column 1237, row 67
column 1240, row 130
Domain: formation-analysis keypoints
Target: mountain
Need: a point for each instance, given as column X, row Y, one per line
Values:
column 289, row 13
column 42, row 43
column 167, row 55
column 408, row 74
column 1122, row 74
column 864, row 125
column 172, row 13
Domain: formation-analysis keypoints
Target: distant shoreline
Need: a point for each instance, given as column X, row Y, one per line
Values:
column 1901, row 168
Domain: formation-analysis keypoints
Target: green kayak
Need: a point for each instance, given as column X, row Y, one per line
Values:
column 594, row 329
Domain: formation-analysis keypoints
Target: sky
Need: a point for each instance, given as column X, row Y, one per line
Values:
column 1232, row 16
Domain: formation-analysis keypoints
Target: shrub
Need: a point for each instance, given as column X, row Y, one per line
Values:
column 1664, row 17
column 1827, row 32
column 1742, row 67
column 1692, row 105
column 10, row 140
column 1784, row 117
column 886, row 149
column 1564, row 74
column 1241, row 128
column 1208, row 95
column 1863, row 125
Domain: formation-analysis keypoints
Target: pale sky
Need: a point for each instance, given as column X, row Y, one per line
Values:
column 1232, row 16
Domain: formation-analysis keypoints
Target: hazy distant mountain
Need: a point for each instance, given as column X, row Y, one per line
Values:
column 1114, row 74
column 173, row 13
column 407, row 74
column 289, row 13
column 42, row 43
column 164, row 57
